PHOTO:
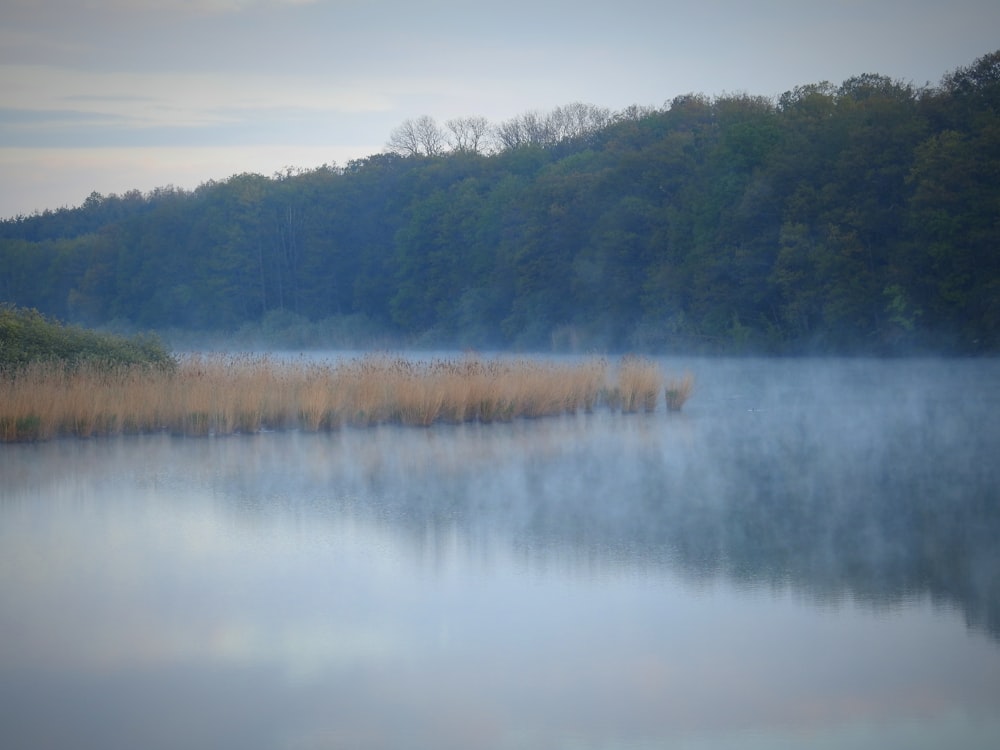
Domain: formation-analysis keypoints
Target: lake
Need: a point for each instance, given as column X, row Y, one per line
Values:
column 806, row 556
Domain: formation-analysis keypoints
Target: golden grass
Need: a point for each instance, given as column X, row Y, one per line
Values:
column 238, row 394
column 678, row 391
column 639, row 383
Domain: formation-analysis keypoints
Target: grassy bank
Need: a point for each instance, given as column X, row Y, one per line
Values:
column 226, row 394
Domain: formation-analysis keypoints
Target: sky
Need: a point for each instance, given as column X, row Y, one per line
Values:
column 115, row 95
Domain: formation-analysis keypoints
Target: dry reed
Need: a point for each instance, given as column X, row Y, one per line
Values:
column 639, row 383
column 224, row 394
column 678, row 391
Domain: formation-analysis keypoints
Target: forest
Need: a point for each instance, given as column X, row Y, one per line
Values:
column 859, row 218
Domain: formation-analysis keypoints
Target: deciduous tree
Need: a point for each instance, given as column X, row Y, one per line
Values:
column 419, row 137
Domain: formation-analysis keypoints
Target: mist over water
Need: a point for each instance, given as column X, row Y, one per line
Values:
column 806, row 555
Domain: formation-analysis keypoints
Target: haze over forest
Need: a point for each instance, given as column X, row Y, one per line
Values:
column 852, row 218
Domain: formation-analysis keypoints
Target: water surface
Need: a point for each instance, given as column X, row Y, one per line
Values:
column 806, row 556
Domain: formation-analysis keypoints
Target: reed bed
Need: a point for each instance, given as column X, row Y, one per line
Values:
column 223, row 394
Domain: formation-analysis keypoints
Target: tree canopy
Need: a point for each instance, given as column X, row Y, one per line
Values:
column 854, row 218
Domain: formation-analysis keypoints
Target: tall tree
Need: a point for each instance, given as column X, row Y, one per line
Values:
column 419, row 137
column 468, row 134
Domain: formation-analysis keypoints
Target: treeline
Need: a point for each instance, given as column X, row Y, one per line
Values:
column 863, row 217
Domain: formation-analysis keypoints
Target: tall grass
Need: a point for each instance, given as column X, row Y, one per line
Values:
column 223, row 394
column 639, row 383
column 678, row 391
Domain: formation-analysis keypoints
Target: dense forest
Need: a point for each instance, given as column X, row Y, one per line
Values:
column 859, row 218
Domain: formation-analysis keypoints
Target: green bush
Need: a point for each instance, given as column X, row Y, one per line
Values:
column 28, row 336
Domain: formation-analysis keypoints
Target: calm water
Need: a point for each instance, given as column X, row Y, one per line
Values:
column 806, row 556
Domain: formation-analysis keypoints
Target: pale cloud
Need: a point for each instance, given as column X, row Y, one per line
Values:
column 221, row 73
column 187, row 96
column 47, row 106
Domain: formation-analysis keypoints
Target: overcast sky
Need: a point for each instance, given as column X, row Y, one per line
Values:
column 111, row 95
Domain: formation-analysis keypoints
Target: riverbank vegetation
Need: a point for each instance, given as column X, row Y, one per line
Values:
column 28, row 337
column 850, row 218
column 222, row 394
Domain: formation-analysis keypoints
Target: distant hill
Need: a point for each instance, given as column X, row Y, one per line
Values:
column 860, row 217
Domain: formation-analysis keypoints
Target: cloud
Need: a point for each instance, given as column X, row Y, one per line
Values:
column 121, row 73
column 45, row 87
column 49, row 106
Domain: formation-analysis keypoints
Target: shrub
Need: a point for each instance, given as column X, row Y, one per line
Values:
column 27, row 336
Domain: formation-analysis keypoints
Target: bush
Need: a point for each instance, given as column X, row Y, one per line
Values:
column 27, row 336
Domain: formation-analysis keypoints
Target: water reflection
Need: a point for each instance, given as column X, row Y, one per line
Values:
column 794, row 559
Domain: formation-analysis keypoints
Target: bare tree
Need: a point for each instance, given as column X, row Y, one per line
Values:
column 530, row 128
column 510, row 133
column 403, row 139
column 421, row 136
column 432, row 138
column 468, row 133
column 569, row 121
column 576, row 119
